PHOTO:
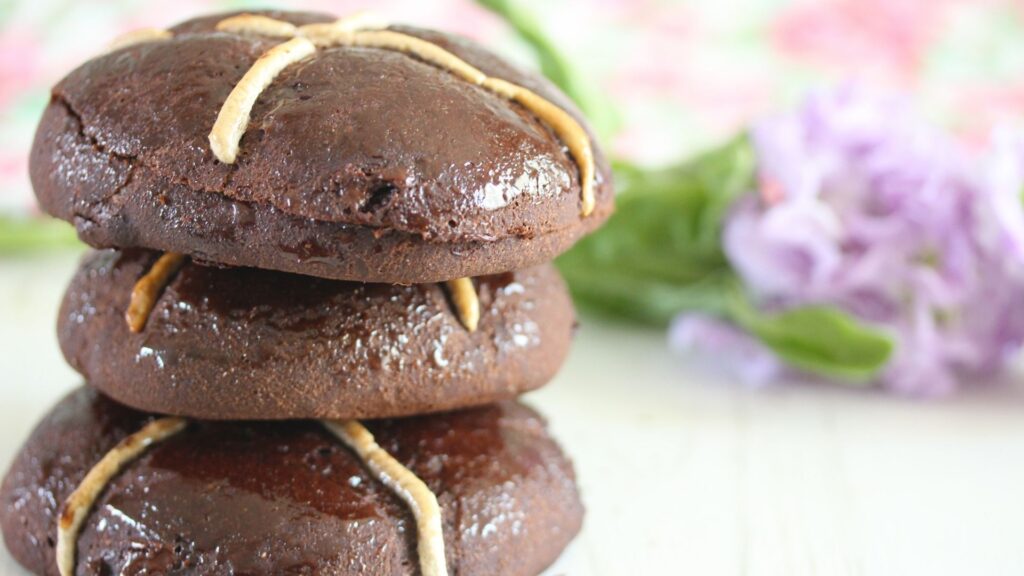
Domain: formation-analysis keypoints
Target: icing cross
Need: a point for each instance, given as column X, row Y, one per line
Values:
column 366, row 31
column 148, row 288
column 388, row 471
column 80, row 502
column 138, row 37
column 406, row 485
column 465, row 301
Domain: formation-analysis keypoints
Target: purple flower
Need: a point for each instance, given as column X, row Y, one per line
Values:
column 863, row 205
column 725, row 347
column 1006, row 180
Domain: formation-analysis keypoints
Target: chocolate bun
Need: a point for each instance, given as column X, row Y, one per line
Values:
column 289, row 498
column 358, row 163
column 242, row 343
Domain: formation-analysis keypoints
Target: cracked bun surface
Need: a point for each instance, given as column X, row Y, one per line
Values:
column 358, row 163
column 289, row 498
column 242, row 343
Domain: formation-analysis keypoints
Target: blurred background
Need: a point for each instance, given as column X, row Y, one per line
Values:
column 684, row 470
column 682, row 75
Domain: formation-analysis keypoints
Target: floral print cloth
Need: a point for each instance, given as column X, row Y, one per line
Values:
column 683, row 74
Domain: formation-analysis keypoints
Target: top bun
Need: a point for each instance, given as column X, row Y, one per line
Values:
column 375, row 154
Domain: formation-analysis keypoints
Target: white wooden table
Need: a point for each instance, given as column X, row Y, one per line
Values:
column 684, row 473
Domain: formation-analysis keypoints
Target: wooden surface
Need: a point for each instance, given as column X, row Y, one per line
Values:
column 685, row 473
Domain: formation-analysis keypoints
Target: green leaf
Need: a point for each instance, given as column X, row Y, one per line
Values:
column 818, row 339
column 659, row 254
column 651, row 301
column 595, row 105
column 24, row 234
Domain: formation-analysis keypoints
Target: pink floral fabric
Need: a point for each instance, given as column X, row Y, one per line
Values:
column 683, row 74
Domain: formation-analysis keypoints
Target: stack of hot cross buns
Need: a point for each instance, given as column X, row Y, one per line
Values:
column 321, row 279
